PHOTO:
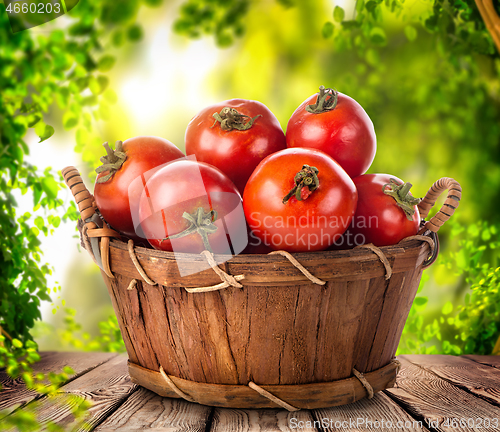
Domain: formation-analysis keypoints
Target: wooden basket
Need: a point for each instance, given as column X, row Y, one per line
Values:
column 308, row 330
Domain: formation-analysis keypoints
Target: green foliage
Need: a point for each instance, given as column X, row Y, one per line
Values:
column 222, row 19
column 109, row 340
column 17, row 362
column 472, row 327
column 38, row 73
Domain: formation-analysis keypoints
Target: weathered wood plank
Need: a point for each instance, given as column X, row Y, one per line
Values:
column 106, row 387
column 489, row 360
column 435, row 401
column 262, row 420
column 145, row 410
column 478, row 379
column 14, row 392
column 378, row 413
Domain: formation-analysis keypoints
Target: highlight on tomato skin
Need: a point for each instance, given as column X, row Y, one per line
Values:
column 114, row 197
column 299, row 200
column 340, row 127
column 386, row 212
column 234, row 136
column 189, row 207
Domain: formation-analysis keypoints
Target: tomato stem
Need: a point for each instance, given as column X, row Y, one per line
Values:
column 326, row 101
column 201, row 223
column 231, row 119
column 404, row 199
column 111, row 162
column 307, row 177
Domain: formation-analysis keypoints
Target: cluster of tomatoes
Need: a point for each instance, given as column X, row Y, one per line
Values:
column 244, row 185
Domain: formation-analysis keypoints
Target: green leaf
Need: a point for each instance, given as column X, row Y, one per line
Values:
column 372, row 4
column 338, row 14
column 327, row 30
column 34, row 121
column 106, row 63
column 153, row 3
column 39, row 222
column 44, row 131
column 17, row 343
column 447, row 308
column 118, row 38
column 377, row 36
column 420, row 301
column 410, row 33
column 69, row 120
column 135, row 33
column 50, row 187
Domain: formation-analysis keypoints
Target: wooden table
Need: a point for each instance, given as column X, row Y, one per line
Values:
column 432, row 393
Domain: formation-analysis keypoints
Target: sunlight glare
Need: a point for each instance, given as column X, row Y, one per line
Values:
column 171, row 78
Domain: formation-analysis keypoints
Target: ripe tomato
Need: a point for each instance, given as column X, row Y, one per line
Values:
column 113, row 193
column 234, row 136
column 299, row 200
column 197, row 200
column 338, row 125
column 386, row 212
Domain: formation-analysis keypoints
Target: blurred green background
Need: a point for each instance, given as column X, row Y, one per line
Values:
column 426, row 72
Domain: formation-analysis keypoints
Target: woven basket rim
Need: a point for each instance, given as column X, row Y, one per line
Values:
column 254, row 258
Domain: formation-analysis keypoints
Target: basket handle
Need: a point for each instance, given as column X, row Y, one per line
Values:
column 491, row 19
column 82, row 196
column 96, row 235
column 447, row 209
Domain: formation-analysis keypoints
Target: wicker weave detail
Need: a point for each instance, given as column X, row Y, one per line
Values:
column 447, row 209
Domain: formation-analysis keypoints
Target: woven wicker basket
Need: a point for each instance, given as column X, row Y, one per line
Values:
column 308, row 330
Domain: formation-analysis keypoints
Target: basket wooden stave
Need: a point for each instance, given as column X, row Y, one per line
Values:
column 280, row 330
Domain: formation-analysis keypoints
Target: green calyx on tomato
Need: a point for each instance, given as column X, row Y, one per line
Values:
column 231, row 119
column 326, row 101
column 401, row 193
column 111, row 162
column 201, row 223
column 307, row 177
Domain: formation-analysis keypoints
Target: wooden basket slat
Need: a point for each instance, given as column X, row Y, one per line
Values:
column 275, row 336
column 266, row 270
column 374, row 302
column 404, row 305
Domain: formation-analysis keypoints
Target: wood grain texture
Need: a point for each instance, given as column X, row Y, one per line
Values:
column 269, row 420
column 490, row 360
column 295, row 334
column 427, row 397
column 146, row 411
column 476, row 378
column 307, row 396
column 15, row 394
column 106, row 387
column 378, row 413
column 264, row 270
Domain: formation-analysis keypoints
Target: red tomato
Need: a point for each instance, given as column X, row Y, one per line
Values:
column 234, row 136
column 112, row 196
column 193, row 196
column 299, row 200
column 379, row 219
column 339, row 126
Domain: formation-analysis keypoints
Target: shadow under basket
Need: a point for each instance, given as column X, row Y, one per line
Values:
column 305, row 330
